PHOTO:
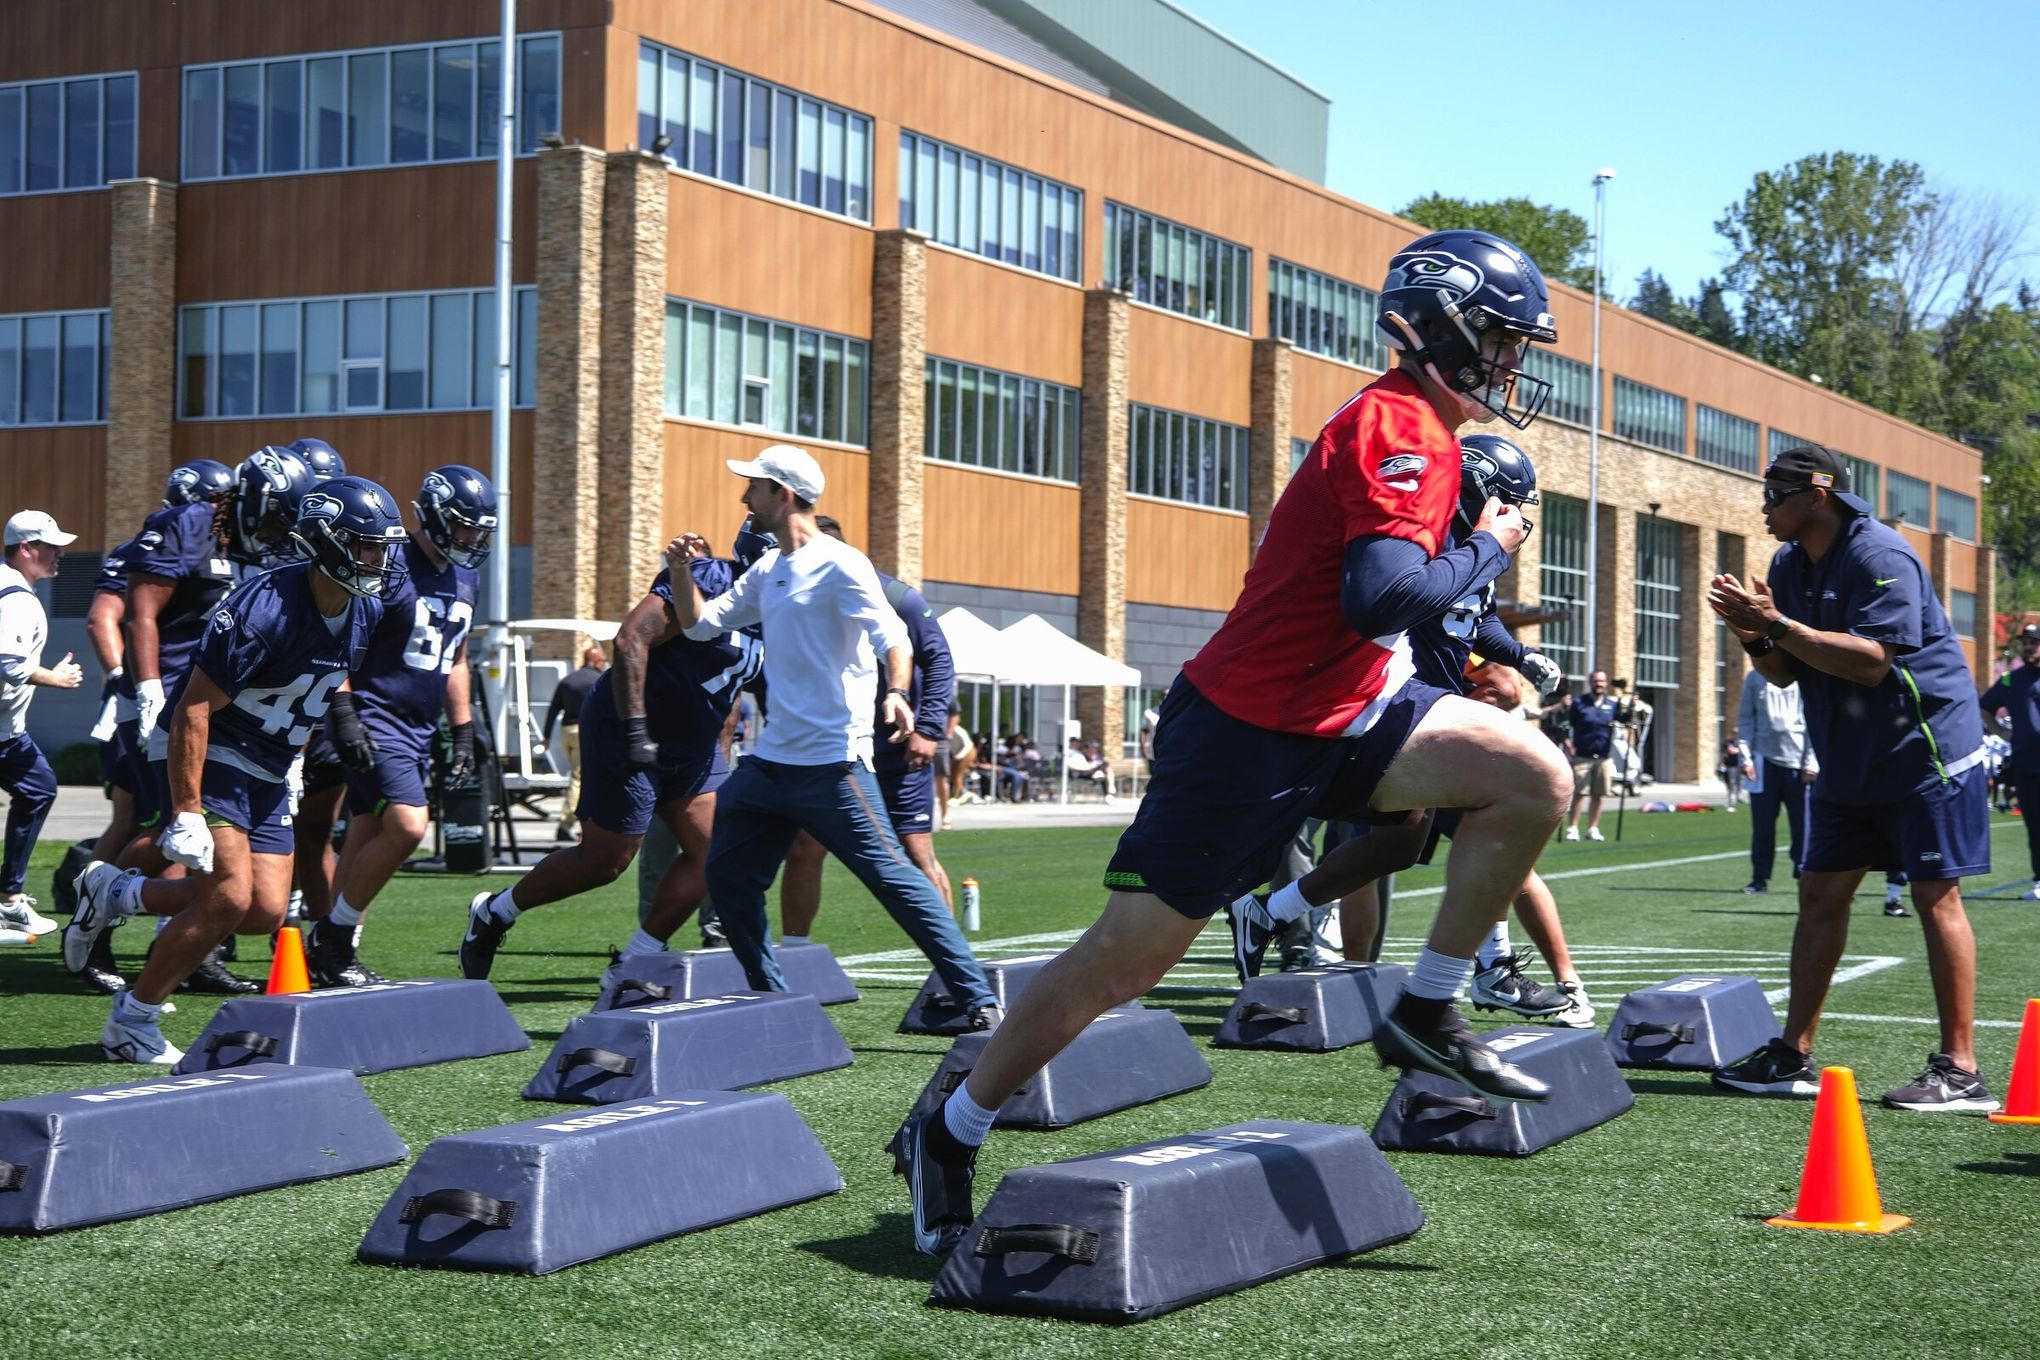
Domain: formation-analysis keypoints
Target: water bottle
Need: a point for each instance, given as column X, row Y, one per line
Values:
column 970, row 904
column 10, row 935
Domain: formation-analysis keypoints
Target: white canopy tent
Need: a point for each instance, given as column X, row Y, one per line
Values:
column 1044, row 654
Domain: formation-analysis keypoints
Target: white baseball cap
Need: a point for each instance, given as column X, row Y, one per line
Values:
column 793, row 468
column 36, row 526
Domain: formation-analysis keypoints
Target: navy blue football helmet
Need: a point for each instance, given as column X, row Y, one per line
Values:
column 456, row 498
column 1446, row 294
column 268, row 486
column 348, row 528
column 201, row 479
column 1490, row 465
column 322, row 458
column 751, row 545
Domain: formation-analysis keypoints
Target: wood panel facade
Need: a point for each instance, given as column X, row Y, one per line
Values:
column 1184, row 556
column 701, row 493
column 990, row 529
column 61, row 469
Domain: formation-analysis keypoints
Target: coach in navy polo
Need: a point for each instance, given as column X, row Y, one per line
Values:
column 1892, row 714
column 2017, row 693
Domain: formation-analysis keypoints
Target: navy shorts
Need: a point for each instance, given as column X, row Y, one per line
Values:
column 260, row 807
column 1943, row 831
column 1226, row 797
column 909, row 800
column 117, row 763
column 402, row 765
column 1444, row 822
column 622, row 800
column 323, row 770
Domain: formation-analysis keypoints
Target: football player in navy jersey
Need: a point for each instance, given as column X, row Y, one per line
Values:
column 322, row 458
column 651, row 742
column 322, row 781
column 271, row 659
column 416, row 669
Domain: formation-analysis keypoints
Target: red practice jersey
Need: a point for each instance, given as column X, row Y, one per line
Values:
column 1286, row 658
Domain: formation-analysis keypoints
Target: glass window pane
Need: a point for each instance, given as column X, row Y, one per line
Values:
column 927, row 181
column 832, row 160
column 967, row 206
column 853, row 392
column 404, row 388
column 1030, row 223
column 538, row 87
column 38, row 370
column 364, row 329
column 284, row 99
column 81, row 134
column 320, row 390
column 243, row 112
column 367, row 110
column 10, row 371
column 758, row 138
column 755, row 333
column 988, row 211
column 201, row 126
column 453, row 102
column 1073, row 235
column 328, row 113
column 945, row 418
column 45, row 125
column 731, row 166
column 967, row 416
column 945, row 196
column 700, row 356
column 237, row 361
column 1072, row 454
column 525, row 375
column 729, row 343
column 410, row 106
column 279, row 358
column 810, row 154
column 783, row 143
column 450, row 363
column 10, row 144
column 78, row 398
column 194, row 368
column 857, row 170
column 702, row 119
column 648, row 65
column 782, row 378
column 676, row 356
column 673, row 107
column 1051, row 231
column 808, row 373
column 1009, row 218
column 482, row 304
column 488, row 97
column 1009, row 424
column 1030, row 428
column 832, row 387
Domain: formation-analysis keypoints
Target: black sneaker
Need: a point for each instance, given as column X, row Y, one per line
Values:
column 331, row 960
column 213, row 978
column 1776, row 1069
column 101, row 973
column 1502, row 987
column 712, row 937
column 1895, row 907
column 1298, row 957
column 939, row 1172
column 1943, row 1087
column 1753, row 889
column 984, row 1018
column 484, row 934
column 1252, row 928
column 1450, row 1050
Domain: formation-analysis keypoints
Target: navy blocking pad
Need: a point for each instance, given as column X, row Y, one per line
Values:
column 1427, row 1113
column 935, row 1011
column 363, row 1029
column 1693, row 1023
column 676, row 975
column 1314, row 1010
column 542, row 1194
column 1130, row 1234
column 113, row 1152
column 708, row 1043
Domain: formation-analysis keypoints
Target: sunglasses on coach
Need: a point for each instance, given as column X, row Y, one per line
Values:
column 1777, row 494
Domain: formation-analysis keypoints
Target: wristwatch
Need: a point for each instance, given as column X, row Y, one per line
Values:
column 1760, row 646
column 1780, row 626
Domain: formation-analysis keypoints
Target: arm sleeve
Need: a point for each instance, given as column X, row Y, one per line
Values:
column 931, row 656
column 15, row 669
column 1996, row 697
column 159, row 549
column 1746, row 711
column 734, row 608
column 232, row 649
column 1496, row 643
column 1387, row 483
column 1392, row 584
column 865, row 603
column 1887, row 595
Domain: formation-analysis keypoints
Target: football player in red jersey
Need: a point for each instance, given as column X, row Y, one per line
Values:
column 1303, row 704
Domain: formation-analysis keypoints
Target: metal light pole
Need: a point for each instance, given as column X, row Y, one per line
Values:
column 499, row 416
column 1594, row 431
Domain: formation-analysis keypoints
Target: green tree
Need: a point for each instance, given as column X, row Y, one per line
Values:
column 1714, row 318
column 1557, row 239
column 1655, row 299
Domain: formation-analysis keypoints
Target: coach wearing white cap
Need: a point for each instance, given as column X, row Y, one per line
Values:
column 33, row 545
column 826, row 624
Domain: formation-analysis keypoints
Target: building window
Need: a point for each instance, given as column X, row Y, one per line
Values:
column 1324, row 315
column 1177, row 268
column 736, row 369
column 1909, row 499
column 1962, row 612
column 1140, row 701
column 1727, row 440
column 360, row 353
column 1863, row 479
column 1658, row 569
column 1562, row 581
column 1955, row 514
column 1299, row 449
column 364, row 108
column 733, row 127
column 958, row 198
column 984, row 418
column 76, row 133
column 1178, row 457
column 1572, row 384
column 1649, row 416
column 53, row 368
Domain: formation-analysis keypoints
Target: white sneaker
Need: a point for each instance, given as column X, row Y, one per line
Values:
column 1594, row 834
column 1572, row 833
column 136, row 1041
column 98, row 911
column 19, row 912
column 2035, row 894
column 1579, row 1011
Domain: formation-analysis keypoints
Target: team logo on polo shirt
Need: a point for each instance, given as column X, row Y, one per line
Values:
column 1404, row 465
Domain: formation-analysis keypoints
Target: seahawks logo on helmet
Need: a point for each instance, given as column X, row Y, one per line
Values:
column 437, row 488
column 1439, row 270
column 223, row 621
column 319, row 505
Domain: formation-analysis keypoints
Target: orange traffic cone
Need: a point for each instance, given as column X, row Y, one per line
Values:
column 2022, row 1097
column 1838, row 1188
column 287, row 972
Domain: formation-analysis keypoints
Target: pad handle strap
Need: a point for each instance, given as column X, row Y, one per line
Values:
column 603, row 1058
column 468, row 1204
column 258, row 1044
column 650, row 991
column 1056, row 1239
column 13, row 1175
column 1678, row 1034
column 1288, row 1015
column 1431, row 1102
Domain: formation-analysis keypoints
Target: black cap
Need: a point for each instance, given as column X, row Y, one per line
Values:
column 2030, row 633
column 1810, row 465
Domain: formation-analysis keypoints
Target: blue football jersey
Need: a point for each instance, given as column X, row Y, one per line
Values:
column 178, row 544
column 279, row 660
column 427, row 611
column 689, row 685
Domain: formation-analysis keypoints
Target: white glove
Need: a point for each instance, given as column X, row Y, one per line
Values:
column 148, row 704
column 109, row 716
column 188, row 841
column 294, row 782
column 1542, row 672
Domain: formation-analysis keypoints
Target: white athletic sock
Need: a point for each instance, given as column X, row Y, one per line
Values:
column 344, row 914
column 129, row 1007
column 162, row 922
column 1287, row 903
column 793, row 939
column 641, row 943
column 967, row 1121
column 1438, row 977
column 503, row 909
column 1495, row 946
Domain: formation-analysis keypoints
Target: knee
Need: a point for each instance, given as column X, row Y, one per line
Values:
column 228, row 901
column 261, row 918
column 405, row 825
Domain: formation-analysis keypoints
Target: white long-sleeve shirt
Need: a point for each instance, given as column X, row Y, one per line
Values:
column 1770, row 722
column 827, row 629
column 24, row 628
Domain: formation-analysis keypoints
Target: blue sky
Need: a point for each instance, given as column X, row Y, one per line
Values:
column 1685, row 101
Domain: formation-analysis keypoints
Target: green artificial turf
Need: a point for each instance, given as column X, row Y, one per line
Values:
column 1643, row 1237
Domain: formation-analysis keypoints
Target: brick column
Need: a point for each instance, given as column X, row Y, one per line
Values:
column 632, row 520
column 1268, row 437
column 565, row 472
column 1615, row 604
column 1101, row 560
column 1937, row 568
column 1986, row 612
column 141, row 380
column 1693, row 745
column 899, row 399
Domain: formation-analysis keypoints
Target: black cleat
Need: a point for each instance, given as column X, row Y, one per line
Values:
column 101, row 973
column 1776, row 1069
column 938, row 1180
column 712, row 937
column 331, row 959
column 484, row 935
column 984, row 1018
column 1252, row 928
column 1450, row 1050
column 212, row 977
column 1503, row 986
